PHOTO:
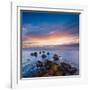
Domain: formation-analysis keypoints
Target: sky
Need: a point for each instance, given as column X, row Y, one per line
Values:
column 49, row 28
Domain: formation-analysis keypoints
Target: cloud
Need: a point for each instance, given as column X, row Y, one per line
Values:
column 52, row 39
column 47, row 29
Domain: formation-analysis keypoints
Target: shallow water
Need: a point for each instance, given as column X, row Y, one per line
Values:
column 70, row 56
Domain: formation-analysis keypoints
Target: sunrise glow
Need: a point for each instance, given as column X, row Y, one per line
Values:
column 50, row 41
column 43, row 29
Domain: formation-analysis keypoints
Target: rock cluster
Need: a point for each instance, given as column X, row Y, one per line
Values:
column 46, row 67
column 54, row 69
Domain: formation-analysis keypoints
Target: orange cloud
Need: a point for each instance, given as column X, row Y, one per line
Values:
column 51, row 39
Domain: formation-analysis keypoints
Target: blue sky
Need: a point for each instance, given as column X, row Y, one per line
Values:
column 43, row 24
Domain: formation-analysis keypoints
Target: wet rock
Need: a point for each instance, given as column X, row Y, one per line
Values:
column 39, row 52
column 52, row 70
column 66, row 66
column 39, row 64
column 72, row 70
column 44, row 56
column 32, row 54
column 35, row 54
column 68, row 69
column 55, row 57
column 49, row 68
column 48, row 53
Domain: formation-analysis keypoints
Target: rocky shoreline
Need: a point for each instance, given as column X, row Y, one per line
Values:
column 48, row 68
column 59, row 70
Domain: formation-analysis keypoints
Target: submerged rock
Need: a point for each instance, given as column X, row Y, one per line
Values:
column 43, row 51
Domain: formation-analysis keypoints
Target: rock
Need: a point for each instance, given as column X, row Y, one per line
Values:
column 32, row 54
column 68, row 69
column 53, row 70
column 48, row 53
column 65, row 65
column 35, row 54
column 39, row 64
column 72, row 70
column 43, row 56
column 55, row 57
column 39, row 52
column 49, row 68
column 54, row 67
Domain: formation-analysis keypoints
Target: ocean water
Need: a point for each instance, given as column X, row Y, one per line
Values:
column 68, row 55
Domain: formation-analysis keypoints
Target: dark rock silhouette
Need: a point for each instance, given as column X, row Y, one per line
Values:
column 39, row 64
column 35, row 54
column 48, row 53
column 39, row 52
column 55, row 57
column 32, row 54
column 68, row 69
column 43, row 56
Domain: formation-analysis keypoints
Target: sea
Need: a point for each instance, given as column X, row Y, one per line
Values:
column 68, row 54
